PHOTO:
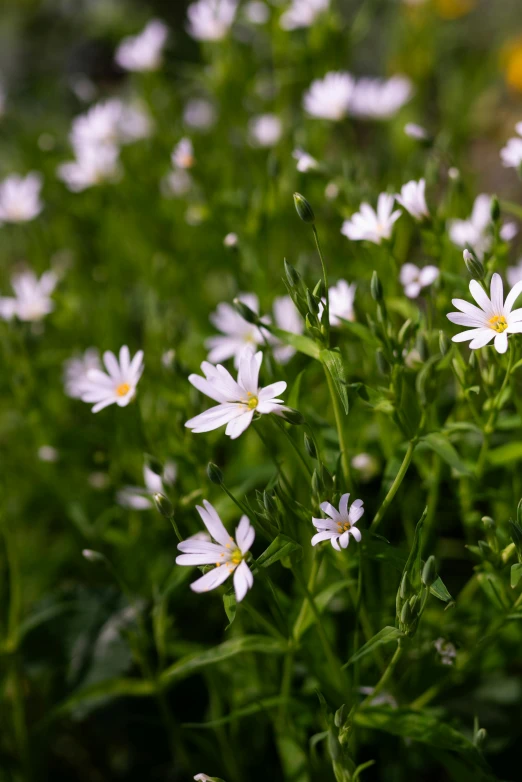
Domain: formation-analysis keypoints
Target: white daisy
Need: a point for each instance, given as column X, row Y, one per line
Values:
column 340, row 299
column 305, row 162
column 412, row 198
column 143, row 52
column 176, row 183
column 227, row 554
column 340, row 524
column 118, row 384
column 237, row 335
column 414, row 279
column 210, row 20
column 76, row 370
column 237, row 401
column 94, row 164
column 302, row 13
column 265, row 130
column 286, row 317
column 493, row 318
column 330, row 97
column 32, row 300
column 474, row 232
column 380, row 98
column 20, row 198
column 183, row 154
column 370, row 225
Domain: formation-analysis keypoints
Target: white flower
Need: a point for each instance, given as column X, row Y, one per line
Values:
column 474, row 231
column 203, row 778
column 227, row 554
column 514, row 273
column 302, row 13
column 20, row 198
column 142, row 52
column 76, row 370
column 95, row 164
column 412, row 198
column 493, row 318
column 210, row 20
column 135, row 123
column 330, row 97
column 138, row 498
column 511, row 154
column 378, row 98
column 118, row 384
column 508, row 231
column 340, row 524
column 32, row 299
column 340, row 300
column 370, row 225
column 237, row 402
column 176, row 184
column 366, row 465
column 46, row 453
column 416, row 132
column 237, row 335
column 286, row 317
column 446, row 651
column 305, row 162
column 231, row 240
column 257, row 12
column 414, row 279
column 199, row 114
column 265, row 130
column 183, row 154
column 99, row 125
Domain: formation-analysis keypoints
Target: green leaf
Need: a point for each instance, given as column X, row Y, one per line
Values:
column 443, row 448
column 438, row 589
column 516, row 574
column 301, row 343
column 505, row 454
column 378, row 399
column 262, row 644
column 109, row 688
column 358, row 771
column 245, row 711
column 384, row 636
column 306, row 617
column 333, row 362
column 281, row 547
column 360, row 331
column 293, row 398
column 230, row 606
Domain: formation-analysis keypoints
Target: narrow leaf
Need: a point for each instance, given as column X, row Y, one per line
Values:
column 443, row 448
column 334, row 364
column 384, row 636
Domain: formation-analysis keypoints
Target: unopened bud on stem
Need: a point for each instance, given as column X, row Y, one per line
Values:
column 303, row 208
column 473, row 265
column 214, row 474
column 376, row 287
column 246, row 313
column 163, row 505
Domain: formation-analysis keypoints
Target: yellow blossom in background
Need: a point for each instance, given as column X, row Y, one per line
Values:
column 454, row 9
column 512, row 63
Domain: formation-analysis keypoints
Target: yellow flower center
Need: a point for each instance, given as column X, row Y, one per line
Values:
column 498, row 323
column 343, row 526
column 236, row 556
column 253, row 401
column 123, row 389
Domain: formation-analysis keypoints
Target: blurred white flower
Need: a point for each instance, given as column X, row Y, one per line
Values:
column 118, row 384
column 257, row 12
column 135, row 123
column 265, row 130
column 227, row 554
column 302, row 13
column 514, row 273
column 493, row 318
column 203, row 778
column 305, row 162
column 370, row 225
column 139, row 498
column 98, row 480
column 237, row 402
column 416, row 132
column 380, row 98
column 143, row 52
column 210, row 20
column 177, row 183
column 98, row 125
column 366, row 465
column 340, row 299
column 237, row 335
column 20, row 198
column 32, row 300
column 199, row 114
column 94, row 164
column 330, row 97
column 511, row 154
column 414, row 279
column 454, row 173
column 446, row 651
column 508, row 231
column 331, row 191
column 183, row 154
column 340, row 524
column 286, row 317
column 230, row 240
column 474, row 232
column 412, row 198
column 46, row 453
column 76, row 369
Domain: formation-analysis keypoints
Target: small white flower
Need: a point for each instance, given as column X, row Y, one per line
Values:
column 446, row 651
column 474, row 231
column 237, row 335
column 99, row 125
column 199, row 114
column 412, row 198
column 143, row 52
column 370, row 225
column 237, row 402
column 305, row 162
column 331, row 191
column 366, row 465
column 227, row 554
column 265, row 130
column 330, row 97
column 32, row 300
column 416, row 132
column 118, row 384
column 135, row 123
column 95, row 164
column 511, row 154
column 76, row 370
column 183, row 154
column 210, row 20
column 286, row 317
column 302, row 13
column 493, row 318
column 340, row 299
column 508, row 231
column 20, row 198
column 514, row 273
column 340, row 524
column 414, row 279
column 176, row 183
column 46, row 453
column 139, row 498
column 257, row 12
column 230, row 240
column 380, row 98
column 203, row 778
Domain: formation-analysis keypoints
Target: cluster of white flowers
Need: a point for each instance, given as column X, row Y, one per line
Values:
column 338, row 94
column 511, row 154
column 143, row 52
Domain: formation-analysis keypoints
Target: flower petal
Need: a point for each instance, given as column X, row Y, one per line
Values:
column 245, row 534
column 512, row 296
column 501, row 342
column 243, row 580
column 481, row 297
column 210, row 518
column 212, row 579
column 482, row 338
column 329, row 509
column 238, row 425
column 320, row 536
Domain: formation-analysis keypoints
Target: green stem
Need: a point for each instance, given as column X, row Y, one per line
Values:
column 345, row 462
column 302, row 460
column 325, row 280
column 490, row 424
column 385, row 678
column 395, row 485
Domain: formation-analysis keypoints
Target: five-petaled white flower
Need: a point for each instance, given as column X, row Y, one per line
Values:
column 340, row 524
column 370, row 225
column 302, row 13
column 118, row 384
column 237, row 335
column 413, row 198
column 474, row 232
column 32, row 300
column 511, row 154
column 210, row 20
column 183, row 154
column 493, row 318
column 330, row 97
column 340, row 299
column 20, row 198
column 237, row 401
column 142, row 52
column 414, row 279
column 380, row 98
column 227, row 554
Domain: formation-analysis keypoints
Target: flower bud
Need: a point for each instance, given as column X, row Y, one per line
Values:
column 303, row 208
column 488, row 523
column 163, row 505
column 214, row 474
column 444, row 343
column 429, row 572
column 246, row 313
column 339, row 716
column 310, row 448
column 376, row 287
column 516, row 536
column 291, row 416
column 319, row 290
column 407, row 615
column 479, row 737
column 313, row 305
column 293, row 277
column 92, row 556
column 317, row 484
column 269, row 503
column 495, row 209
column 473, row 265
